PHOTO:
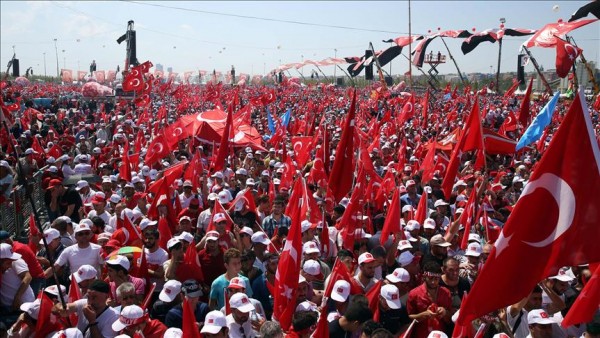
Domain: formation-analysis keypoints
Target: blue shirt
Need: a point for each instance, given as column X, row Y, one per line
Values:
column 174, row 317
column 262, row 294
column 218, row 286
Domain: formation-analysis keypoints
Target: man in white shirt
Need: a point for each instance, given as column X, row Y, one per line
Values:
column 99, row 205
column 14, row 289
column 95, row 318
column 79, row 254
column 238, row 322
column 83, row 168
column 215, row 325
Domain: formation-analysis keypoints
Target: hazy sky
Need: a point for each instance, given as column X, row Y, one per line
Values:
column 197, row 38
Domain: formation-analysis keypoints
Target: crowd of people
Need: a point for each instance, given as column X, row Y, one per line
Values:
column 160, row 253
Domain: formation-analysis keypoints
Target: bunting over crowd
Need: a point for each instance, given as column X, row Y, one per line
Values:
column 302, row 210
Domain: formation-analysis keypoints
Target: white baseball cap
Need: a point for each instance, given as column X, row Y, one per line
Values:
column 72, row 332
column 53, row 290
column 242, row 171
column 170, row 290
column 313, row 268
column 50, row 235
column 82, row 184
column 366, row 257
column 340, row 291
column 172, row 242
column 250, row 181
column 85, row 272
column 130, row 315
column 539, row 316
column 310, row 247
column 307, row 306
column 237, row 283
column 405, row 258
column 391, row 295
column 246, row 230
column 83, row 226
column 241, row 302
column 146, row 222
column 399, row 275
column 307, row 225
column 404, row 244
column 212, row 236
column 119, row 260
column 219, row 217
column 31, row 308
column 265, row 173
column 437, row 334
column 218, row 174
column 173, row 332
column 412, row 225
column 474, row 237
column 114, row 198
column 440, row 203
column 565, row 274
column 223, row 197
column 186, row 236
column 260, row 237
column 474, row 249
column 214, row 322
column 429, row 223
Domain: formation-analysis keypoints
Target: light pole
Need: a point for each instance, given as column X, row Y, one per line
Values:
column 502, row 21
column 45, row 74
column 335, row 67
column 302, row 56
column 56, row 50
column 64, row 59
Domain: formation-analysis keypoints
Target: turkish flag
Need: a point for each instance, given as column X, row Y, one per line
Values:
column 497, row 144
column 169, row 176
column 157, row 149
column 586, row 304
column 135, row 238
column 392, row 220
column 524, row 110
column 472, row 134
column 566, row 55
column 547, row 36
column 425, row 104
column 557, row 209
column 34, row 232
column 341, row 176
column 189, row 328
column 55, row 151
column 133, row 81
column 351, row 220
column 165, row 232
column 245, row 196
column 301, row 146
column 288, row 269
column 194, row 171
column 509, row 124
column 428, row 164
column 74, row 294
column 373, row 298
column 125, row 168
column 219, row 163
column 422, row 208
column 47, row 322
column 468, row 218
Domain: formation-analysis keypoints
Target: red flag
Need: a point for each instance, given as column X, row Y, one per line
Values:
column 491, row 231
column 509, row 124
column 561, row 213
column 547, row 36
column 194, row 171
column 189, row 327
column 34, row 232
column 125, row 168
column 472, row 134
column 512, row 89
column 425, row 104
column 301, row 146
column 157, row 149
column 392, row 220
column 135, row 239
column 165, row 232
column 341, row 176
column 422, row 208
column 524, row 110
column 462, row 331
column 219, row 163
column 428, row 165
column 373, row 298
column 566, row 55
column 408, row 331
column 169, row 176
column 586, row 304
column 74, row 294
column 288, row 270
column 133, row 81
column 354, row 212
column 247, row 198
column 47, row 322
column 55, row 151
column 495, row 143
column 467, row 219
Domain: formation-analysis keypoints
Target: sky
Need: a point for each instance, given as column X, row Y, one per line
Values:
column 256, row 37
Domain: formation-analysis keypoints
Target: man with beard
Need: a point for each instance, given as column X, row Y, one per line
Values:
column 366, row 275
column 211, row 259
column 429, row 303
column 438, row 251
column 264, row 284
column 238, row 322
column 457, row 285
column 155, row 258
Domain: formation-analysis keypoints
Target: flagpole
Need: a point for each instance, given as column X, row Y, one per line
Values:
column 409, row 48
column 348, row 75
column 537, row 68
column 462, row 79
column 326, row 79
column 587, row 67
column 381, row 77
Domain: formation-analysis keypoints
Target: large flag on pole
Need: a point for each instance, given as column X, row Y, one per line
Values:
column 341, row 176
column 559, row 208
column 541, row 121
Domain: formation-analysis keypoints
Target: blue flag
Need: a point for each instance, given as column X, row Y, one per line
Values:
column 285, row 120
column 271, row 124
column 541, row 121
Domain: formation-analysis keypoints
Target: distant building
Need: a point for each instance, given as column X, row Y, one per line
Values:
column 169, row 69
column 159, row 67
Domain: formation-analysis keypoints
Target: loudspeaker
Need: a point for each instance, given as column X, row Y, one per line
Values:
column 280, row 77
column 15, row 68
column 520, row 69
column 369, row 68
column 132, row 49
column 340, row 81
column 389, row 81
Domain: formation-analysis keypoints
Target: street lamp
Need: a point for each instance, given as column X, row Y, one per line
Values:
column 45, row 74
column 56, row 50
column 64, row 59
column 335, row 68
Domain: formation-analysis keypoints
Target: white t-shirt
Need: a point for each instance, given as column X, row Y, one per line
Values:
column 523, row 329
column 76, row 257
column 154, row 260
column 234, row 328
column 8, row 179
column 105, row 320
column 11, row 283
column 83, row 168
column 105, row 217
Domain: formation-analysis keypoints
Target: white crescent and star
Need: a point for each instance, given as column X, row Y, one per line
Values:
column 177, row 131
column 158, row 146
column 571, row 51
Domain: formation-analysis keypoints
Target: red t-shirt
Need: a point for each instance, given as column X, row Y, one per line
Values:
column 154, row 329
column 212, row 266
column 35, row 268
column 418, row 301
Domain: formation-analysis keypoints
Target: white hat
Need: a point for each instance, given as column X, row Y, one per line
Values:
column 85, row 272
column 119, row 260
column 429, row 223
column 565, row 274
column 412, row 225
column 50, row 234
column 106, row 179
column 250, row 181
column 219, row 217
column 31, row 308
column 170, row 290
column 214, row 322
column 242, row 171
column 313, row 268
column 83, row 226
column 405, row 258
column 390, row 293
column 399, row 275
column 474, row 249
column 53, row 290
column 172, row 242
column 260, row 237
column 146, row 222
column 72, row 332
column 153, row 174
column 365, row 258
column 437, row 334
column 212, row 196
column 186, row 236
column 114, row 198
column 237, row 283
column 53, row 169
column 439, row 203
column 340, row 291
column 344, row 202
column 218, row 174
column 307, row 306
column 223, row 197
column 130, row 315
column 460, row 183
column 241, row 302
column 306, row 225
column 82, row 184
column 404, row 244
column 265, row 173
column 212, row 236
column 29, row 151
column 539, row 316
column 310, row 247
column 173, row 332
column 246, row 230
column 407, row 208
column 474, row 237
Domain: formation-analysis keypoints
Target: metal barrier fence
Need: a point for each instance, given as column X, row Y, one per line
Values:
column 15, row 213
